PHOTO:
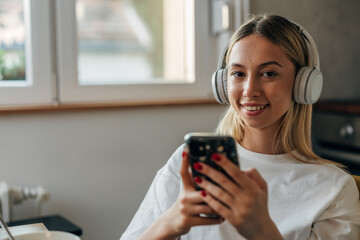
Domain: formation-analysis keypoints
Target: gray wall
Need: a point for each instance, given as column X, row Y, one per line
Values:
column 334, row 25
column 97, row 164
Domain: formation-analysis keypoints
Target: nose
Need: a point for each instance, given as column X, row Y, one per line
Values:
column 252, row 87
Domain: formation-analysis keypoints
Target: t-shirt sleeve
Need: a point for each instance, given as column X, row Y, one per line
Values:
column 340, row 220
column 161, row 195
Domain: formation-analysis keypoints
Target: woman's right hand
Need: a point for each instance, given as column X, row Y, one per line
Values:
column 185, row 213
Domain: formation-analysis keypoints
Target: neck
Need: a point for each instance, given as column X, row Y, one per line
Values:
column 261, row 141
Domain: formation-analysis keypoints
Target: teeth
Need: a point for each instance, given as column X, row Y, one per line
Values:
column 254, row 108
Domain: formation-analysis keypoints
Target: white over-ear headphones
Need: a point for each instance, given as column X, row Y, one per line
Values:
column 308, row 81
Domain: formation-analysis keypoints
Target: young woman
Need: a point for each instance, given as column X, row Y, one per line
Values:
column 285, row 191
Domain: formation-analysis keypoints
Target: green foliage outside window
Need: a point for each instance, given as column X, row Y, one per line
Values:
column 14, row 72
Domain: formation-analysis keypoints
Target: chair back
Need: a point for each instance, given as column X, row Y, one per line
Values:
column 357, row 180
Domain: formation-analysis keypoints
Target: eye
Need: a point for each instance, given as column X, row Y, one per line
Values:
column 237, row 74
column 269, row 74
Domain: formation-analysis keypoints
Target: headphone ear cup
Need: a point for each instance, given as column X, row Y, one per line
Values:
column 308, row 85
column 219, row 86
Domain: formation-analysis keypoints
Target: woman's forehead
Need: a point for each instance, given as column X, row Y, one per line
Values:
column 255, row 48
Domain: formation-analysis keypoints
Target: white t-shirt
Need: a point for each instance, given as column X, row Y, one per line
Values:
column 306, row 201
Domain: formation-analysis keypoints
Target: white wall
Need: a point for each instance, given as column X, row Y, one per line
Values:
column 97, row 164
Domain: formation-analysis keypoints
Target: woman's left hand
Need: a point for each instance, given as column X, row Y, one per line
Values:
column 242, row 202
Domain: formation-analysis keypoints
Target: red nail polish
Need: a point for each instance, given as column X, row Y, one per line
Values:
column 184, row 154
column 203, row 193
column 198, row 179
column 216, row 157
column 197, row 166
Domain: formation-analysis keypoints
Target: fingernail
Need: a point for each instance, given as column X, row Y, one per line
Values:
column 203, row 193
column 198, row 179
column 184, row 154
column 216, row 157
column 197, row 166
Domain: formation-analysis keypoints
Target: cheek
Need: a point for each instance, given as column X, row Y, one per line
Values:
column 289, row 90
column 234, row 90
column 280, row 93
column 281, row 96
column 233, row 94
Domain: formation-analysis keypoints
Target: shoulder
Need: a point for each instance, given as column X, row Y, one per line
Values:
column 172, row 166
column 326, row 173
column 339, row 178
column 331, row 172
column 342, row 203
column 326, row 180
column 323, row 170
column 336, row 182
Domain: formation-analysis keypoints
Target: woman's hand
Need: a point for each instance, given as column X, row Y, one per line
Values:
column 243, row 202
column 185, row 213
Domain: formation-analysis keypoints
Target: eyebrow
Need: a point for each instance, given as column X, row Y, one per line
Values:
column 261, row 65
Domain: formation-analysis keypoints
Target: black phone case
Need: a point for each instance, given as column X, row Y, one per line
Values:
column 203, row 146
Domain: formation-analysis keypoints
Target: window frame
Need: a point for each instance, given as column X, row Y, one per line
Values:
column 72, row 92
column 51, row 64
column 40, row 86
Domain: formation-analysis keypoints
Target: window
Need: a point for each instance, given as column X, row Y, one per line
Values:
column 12, row 40
column 127, row 42
column 126, row 50
column 109, row 51
column 25, row 63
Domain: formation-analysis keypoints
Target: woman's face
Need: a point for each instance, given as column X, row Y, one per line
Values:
column 260, row 82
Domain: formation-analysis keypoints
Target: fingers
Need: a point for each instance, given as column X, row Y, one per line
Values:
column 222, row 160
column 222, row 180
column 238, row 179
column 184, row 172
column 256, row 177
column 248, row 181
column 200, row 209
column 216, row 205
column 190, row 198
column 198, row 221
column 241, row 179
column 225, row 197
column 190, row 210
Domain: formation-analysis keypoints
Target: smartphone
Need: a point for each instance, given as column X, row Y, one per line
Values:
column 201, row 146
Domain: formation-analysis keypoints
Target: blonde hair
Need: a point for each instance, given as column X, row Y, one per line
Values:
column 294, row 132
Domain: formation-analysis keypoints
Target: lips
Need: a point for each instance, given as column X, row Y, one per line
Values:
column 253, row 109
column 254, row 106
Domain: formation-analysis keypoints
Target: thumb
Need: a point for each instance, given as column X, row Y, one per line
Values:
column 257, row 178
column 185, row 173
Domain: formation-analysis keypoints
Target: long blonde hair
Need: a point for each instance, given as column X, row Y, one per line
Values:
column 294, row 132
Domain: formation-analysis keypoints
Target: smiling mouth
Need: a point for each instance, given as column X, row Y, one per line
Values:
column 255, row 108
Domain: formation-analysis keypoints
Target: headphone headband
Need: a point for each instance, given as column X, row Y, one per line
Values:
column 313, row 61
